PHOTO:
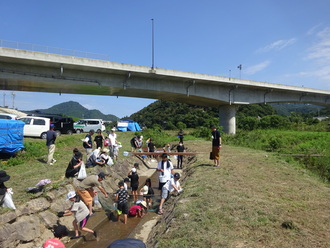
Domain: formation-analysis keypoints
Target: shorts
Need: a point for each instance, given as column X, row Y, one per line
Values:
column 86, row 195
column 123, row 207
column 84, row 221
column 135, row 188
column 165, row 194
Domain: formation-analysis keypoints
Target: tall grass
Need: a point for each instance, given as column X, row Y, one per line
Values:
column 309, row 148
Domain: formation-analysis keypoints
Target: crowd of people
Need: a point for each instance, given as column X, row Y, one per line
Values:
column 105, row 153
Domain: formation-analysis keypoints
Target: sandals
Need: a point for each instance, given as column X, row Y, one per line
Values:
column 160, row 212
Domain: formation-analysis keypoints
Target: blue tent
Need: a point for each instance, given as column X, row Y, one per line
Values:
column 128, row 125
column 11, row 136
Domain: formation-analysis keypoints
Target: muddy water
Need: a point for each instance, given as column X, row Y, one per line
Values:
column 111, row 229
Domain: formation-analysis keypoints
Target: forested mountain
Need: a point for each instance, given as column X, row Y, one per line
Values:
column 170, row 115
column 74, row 109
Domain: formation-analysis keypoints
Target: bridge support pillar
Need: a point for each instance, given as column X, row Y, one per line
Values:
column 227, row 116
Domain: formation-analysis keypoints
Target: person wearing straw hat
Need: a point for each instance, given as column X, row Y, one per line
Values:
column 138, row 210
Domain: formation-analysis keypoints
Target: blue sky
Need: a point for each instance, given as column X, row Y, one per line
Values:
column 276, row 41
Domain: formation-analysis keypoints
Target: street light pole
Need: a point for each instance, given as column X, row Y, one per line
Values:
column 153, row 45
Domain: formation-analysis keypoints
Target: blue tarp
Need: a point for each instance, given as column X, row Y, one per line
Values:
column 128, row 125
column 11, row 136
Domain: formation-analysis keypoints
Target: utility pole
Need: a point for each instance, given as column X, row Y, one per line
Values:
column 13, row 95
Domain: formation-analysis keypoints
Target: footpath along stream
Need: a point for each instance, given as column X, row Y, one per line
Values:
column 106, row 224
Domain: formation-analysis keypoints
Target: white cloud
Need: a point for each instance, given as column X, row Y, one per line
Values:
column 313, row 29
column 256, row 68
column 278, row 45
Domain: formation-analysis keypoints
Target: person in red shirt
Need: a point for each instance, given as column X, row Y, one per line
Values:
column 59, row 232
column 138, row 210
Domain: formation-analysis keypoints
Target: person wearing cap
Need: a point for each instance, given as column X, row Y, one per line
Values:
column 50, row 143
column 85, row 189
column 74, row 165
column 165, row 167
column 169, row 187
column 121, row 199
column 99, row 138
column 88, row 144
column 134, row 177
column 81, row 215
column 138, row 210
column 112, row 141
column 59, row 232
column 216, row 146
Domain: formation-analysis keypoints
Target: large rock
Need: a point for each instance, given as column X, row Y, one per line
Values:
column 48, row 219
column 8, row 217
column 33, row 206
column 27, row 228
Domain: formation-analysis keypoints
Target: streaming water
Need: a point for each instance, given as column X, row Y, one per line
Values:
column 111, row 229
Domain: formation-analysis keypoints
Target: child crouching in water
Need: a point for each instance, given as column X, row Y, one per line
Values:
column 138, row 210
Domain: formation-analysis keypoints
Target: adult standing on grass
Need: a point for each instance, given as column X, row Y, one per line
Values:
column 86, row 191
column 180, row 148
column 99, row 138
column 88, row 144
column 50, row 143
column 216, row 146
column 113, row 141
column 165, row 167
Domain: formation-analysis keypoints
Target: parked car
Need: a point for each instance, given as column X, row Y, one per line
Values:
column 63, row 125
column 35, row 126
column 8, row 116
column 84, row 125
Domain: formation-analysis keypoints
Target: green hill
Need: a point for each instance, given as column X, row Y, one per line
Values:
column 74, row 109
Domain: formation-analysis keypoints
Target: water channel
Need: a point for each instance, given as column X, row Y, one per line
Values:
column 110, row 229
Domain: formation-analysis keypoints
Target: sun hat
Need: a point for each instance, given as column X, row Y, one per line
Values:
column 113, row 129
column 145, row 190
column 70, row 195
column 3, row 176
column 144, row 204
column 106, row 150
column 92, row 131
column 133, row 170
column 52, row 125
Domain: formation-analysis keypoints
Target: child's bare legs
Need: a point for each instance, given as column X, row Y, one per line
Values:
column 75, row 227
column 125, row 218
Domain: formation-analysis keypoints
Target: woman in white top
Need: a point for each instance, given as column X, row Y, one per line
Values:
column 166, row 170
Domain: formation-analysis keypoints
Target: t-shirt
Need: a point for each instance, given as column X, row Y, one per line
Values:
column 122, row 195
column 134, row 179
column 180, row 148
column 50, row 137
column 81, row 210
column 53, row 243
column 169, row 184
column 89, row 182
column 112, row 138
column 167, row 171
column 216, row 138
column 99, row 141
column 134, row 210
column 151, row 147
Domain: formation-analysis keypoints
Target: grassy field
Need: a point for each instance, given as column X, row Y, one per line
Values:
column 29, row 167
column 254, row 200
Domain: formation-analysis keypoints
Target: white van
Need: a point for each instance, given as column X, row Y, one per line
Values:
column 84, row 125
column 35, row 126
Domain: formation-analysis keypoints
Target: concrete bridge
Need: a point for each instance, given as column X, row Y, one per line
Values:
column 23, row 70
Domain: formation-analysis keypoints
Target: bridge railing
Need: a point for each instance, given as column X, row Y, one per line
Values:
column 52, row 50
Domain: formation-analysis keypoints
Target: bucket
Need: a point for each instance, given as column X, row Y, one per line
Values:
column 125, row 153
